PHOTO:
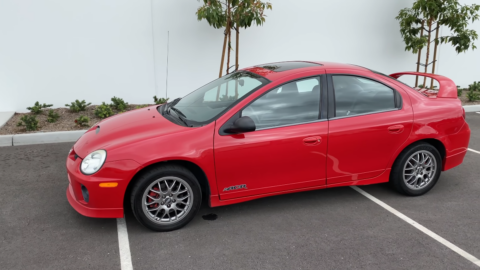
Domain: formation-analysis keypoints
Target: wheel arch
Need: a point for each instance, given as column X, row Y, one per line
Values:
column 194, row 168
column 439, row 145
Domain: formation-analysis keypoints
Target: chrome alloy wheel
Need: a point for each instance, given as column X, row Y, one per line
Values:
column 167, row 200
column 419, row 169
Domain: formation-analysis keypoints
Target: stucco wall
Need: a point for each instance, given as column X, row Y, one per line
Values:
column 56, row 51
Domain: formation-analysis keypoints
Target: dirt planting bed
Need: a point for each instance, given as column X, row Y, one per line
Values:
column 66, row 121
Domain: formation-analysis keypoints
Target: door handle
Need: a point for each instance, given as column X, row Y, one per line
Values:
column 396, row 129
column 314, row 140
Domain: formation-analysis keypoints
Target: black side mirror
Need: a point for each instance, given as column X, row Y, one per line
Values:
column 242, row 124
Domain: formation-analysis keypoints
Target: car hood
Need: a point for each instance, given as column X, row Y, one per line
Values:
column 125, row 128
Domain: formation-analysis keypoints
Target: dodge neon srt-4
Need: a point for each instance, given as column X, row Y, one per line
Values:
column 267, row 130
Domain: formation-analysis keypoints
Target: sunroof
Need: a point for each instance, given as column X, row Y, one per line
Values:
column 284, row 66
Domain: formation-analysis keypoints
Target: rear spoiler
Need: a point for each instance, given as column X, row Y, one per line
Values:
column 447, row 88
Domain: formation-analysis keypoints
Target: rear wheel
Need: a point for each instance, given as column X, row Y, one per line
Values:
column 416, row 170
column 166, row 198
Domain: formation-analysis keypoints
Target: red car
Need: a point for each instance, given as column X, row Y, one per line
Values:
column 267, row 130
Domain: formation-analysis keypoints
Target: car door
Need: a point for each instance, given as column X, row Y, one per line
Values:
column 286, row 151
column 369, row 120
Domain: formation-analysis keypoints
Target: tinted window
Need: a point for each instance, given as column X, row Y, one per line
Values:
column 207, row 102
column 355, row 95
column 292, row 103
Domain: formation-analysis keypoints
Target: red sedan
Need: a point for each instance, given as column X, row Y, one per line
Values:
column 267, row 130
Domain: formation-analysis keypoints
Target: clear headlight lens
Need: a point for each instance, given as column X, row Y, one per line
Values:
column 93, row 162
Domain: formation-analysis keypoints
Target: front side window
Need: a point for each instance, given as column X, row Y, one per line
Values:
column 357, row 95
column 209, row 101
column 292, row 103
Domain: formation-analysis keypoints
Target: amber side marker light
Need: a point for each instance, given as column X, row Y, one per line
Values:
column 111, row 184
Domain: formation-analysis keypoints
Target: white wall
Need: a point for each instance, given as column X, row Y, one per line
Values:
column 58, row 51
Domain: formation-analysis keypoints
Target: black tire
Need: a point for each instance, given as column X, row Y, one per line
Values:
column 396, row 176
column 152, row 175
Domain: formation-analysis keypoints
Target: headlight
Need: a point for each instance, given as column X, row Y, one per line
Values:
column 93, row 162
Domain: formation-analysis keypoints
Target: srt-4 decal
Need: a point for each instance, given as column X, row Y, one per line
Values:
column 235, row 187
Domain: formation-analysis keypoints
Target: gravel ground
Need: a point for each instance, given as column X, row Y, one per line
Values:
column 66, row 122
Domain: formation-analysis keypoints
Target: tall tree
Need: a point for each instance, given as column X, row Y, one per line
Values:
column 216, row 14
column 232, row 14
column 437, row 13
column 245, row 13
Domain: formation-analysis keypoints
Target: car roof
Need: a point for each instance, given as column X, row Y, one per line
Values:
column 277, row 70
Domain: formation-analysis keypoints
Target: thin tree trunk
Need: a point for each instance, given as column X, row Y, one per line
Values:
column 229, row 50
column 428, row 50
column 229, row 32
column 223, row 54
column 435, row 53
column 236, row 49
column 419, row 55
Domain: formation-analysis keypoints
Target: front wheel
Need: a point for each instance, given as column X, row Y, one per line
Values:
column 166, row 198
column 416, row 170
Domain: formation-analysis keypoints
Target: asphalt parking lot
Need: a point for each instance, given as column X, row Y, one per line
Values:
column 336, row 228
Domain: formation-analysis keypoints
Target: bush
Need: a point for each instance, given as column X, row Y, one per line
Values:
column 37, row 108
column 29, row 121
column 160, row 100
column 473, row 96
column 78, row 105
column 475, row 86
column 459, row 91
column 103, row 111
column 118, row 104
column 52, row 116
column 82, row 121
column 141, row 106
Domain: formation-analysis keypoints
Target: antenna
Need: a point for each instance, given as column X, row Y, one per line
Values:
column 166, row 79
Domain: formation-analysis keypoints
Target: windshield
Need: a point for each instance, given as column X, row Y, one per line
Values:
column 211, row 100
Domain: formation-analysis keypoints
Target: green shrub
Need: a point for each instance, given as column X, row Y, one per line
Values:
column 459, row 91
column 77, row 105
column 160, row 100
column 473, row 96
column 52, row 116
column 37, row 108
column 29, row 121
column 118, row 104
column 475, row 86
column 82, row 121
column 141, row 106
column 103, row 111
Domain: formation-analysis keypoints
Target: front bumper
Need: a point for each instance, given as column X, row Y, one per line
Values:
column 103, row 202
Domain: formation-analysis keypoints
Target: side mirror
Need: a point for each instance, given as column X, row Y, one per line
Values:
column 242, row 124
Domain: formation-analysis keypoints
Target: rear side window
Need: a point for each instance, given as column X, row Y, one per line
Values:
column 292, row 103
column 357, row 95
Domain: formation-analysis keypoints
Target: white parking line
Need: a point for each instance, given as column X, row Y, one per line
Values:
column 435, row 236
column 475, row 151
column 124, row 245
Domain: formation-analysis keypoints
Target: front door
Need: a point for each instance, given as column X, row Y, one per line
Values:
column 370, row 123
column 286, row 151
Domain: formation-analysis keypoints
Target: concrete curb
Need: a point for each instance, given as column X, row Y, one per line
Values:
column 40, row 138
column 47, row 137
column 6, row 140
column 472, row 108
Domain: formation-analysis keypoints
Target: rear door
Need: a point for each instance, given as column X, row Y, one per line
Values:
column 368, row 121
